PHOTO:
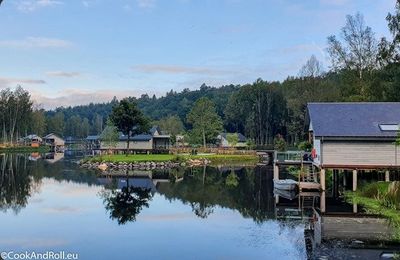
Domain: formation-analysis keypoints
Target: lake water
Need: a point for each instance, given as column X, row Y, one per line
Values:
column 195, row 213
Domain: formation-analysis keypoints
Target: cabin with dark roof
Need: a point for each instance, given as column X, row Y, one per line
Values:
column 355, row 135
column 224, row 143
column 155, row 141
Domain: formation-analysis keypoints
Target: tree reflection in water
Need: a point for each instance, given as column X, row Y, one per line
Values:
column 124, row 205
column 247, row 190
column 16, row 182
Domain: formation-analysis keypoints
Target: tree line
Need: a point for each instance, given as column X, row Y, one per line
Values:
column 363, row 68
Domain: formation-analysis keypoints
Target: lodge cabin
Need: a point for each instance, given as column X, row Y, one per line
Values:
column 56, row 143
column 155, row 141
column 32, row 140
column 224, row 143
column 355, row 135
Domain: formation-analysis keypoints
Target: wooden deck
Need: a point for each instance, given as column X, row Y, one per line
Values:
column 309, row 186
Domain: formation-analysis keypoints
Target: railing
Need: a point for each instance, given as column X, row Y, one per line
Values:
column 292, row 156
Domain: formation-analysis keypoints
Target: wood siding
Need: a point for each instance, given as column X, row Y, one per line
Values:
column 133, row 145
column 360, row 153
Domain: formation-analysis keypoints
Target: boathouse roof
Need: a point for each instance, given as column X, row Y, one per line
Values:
column 367, row 119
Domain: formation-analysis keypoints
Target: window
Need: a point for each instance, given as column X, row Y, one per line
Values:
column 389, row 127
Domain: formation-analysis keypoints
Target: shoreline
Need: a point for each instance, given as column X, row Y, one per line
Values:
column 165, row 160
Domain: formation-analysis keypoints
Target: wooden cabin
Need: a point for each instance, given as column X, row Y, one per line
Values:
column 155, row 141
column 355, row 135
column 224, row 143
column 54, row 141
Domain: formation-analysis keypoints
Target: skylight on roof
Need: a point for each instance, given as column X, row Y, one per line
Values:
column 389, row 127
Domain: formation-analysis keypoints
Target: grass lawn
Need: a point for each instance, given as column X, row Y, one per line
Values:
column 214, row 158
column 134, row 158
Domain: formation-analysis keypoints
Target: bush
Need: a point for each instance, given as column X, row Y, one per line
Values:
column 305, row 146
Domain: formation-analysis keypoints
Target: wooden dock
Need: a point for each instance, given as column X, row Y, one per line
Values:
column 309, row 185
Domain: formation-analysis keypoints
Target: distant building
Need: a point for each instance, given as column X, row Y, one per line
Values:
column 154, row 141
column 354, row 135
column 223, row 140
column 54, row 141
column 32, row 140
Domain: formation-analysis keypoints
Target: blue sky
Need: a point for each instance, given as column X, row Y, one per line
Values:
column 68, row 52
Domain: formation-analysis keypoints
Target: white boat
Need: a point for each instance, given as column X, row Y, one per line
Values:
column 287, row 184
column 287, row 194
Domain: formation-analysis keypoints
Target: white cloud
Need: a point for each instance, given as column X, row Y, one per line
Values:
column 146, row 3
column 11, row 82
column 74, row 97
column 36, row 42
column 33, row 5
column 64, row 74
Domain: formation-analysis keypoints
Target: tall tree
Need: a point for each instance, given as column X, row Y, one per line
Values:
column 358, row 49
column 127, row 117
column 172, row 125
column 389, row 50
column 38, row 122
column 312, row 68
column 205, row 120
column 56, row 124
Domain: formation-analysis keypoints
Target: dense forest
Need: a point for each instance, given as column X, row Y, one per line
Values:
column 363, row 68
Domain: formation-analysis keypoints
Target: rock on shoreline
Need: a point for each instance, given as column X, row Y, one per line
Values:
column 142, row 165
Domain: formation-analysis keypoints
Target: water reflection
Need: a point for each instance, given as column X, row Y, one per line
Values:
column 125, row 203
column 198, row 198
column 16, row 182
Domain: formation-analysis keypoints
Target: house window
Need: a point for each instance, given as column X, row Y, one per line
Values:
column 389, row 127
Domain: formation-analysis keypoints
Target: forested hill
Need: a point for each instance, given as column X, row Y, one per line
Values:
column 93, row 116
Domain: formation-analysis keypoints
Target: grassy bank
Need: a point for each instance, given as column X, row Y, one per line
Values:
column 214, row 158
column 381, row 199
column 24, row 149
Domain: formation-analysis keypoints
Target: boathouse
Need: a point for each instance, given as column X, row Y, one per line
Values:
column 54, row 141
column 355, row 135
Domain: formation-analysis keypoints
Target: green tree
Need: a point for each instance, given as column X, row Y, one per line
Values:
column 232, row 139
column 38, row 122
column 279, row 143
column 171, row 124
column 127, row 117
column 205, row 120
column 110, row 134
column 56, row 124
column 359, row 48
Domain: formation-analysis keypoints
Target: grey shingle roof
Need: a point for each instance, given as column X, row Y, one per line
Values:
column 141, row 137
column 241, row 138
column 353, row 119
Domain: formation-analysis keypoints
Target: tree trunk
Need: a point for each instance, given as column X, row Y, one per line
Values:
column 127, row 145
column 204, row 139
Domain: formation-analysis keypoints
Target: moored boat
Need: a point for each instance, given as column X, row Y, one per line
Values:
column 286, row 184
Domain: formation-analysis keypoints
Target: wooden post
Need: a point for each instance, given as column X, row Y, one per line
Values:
column 387, row 176
column 322, row 179
column 276, row 172
column 354, row 180
column 355, row 208
column 344, row 179
column 323, row 202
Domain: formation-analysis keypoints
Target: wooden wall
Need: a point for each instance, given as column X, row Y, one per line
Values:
column 369, row 153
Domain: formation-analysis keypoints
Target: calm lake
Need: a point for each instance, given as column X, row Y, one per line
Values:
column 193, row 213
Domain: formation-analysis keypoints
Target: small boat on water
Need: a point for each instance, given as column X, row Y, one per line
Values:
column 287, row 194
column 287, row 184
